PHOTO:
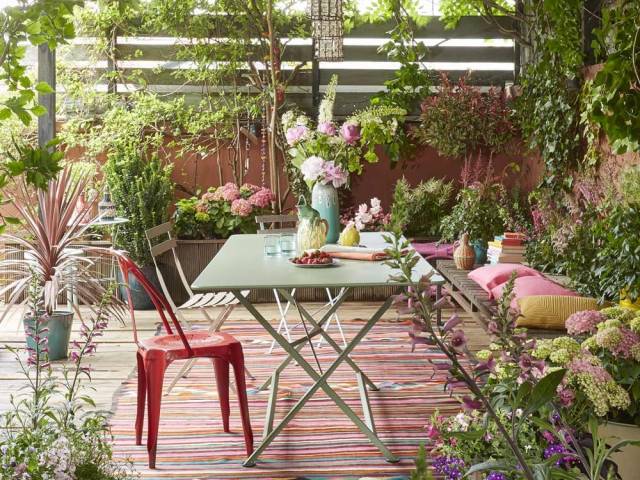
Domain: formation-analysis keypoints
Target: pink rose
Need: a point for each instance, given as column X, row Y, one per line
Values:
column 295, row 134
column 327, row 128
column 350, row 132
column 241, row 207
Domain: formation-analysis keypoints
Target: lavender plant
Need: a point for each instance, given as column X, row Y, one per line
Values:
column 54, row 431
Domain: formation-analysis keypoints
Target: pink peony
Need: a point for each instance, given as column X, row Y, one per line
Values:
column 327, row 128
column 350, row 132
column 230, row 192
column 334, row 174
column 261, row 198
column 241, row 207
column 584, row 322
column 295, row 134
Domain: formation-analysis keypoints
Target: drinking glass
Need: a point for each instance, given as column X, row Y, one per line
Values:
column 288, row 244
column 271, row 244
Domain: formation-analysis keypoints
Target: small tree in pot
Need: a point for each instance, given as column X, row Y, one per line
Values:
column 142, row 191
column 50, row 258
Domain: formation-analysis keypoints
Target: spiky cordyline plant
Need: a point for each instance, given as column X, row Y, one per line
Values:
column 51, row 246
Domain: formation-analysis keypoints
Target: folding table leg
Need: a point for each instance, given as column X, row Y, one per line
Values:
column 335, row 317
column 336, row 347
column 321, row 381
column 299, row 343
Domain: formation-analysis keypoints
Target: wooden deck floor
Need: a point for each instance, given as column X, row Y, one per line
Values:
column 114, row 360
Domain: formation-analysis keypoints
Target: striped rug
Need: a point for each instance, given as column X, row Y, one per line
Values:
column 319, row 443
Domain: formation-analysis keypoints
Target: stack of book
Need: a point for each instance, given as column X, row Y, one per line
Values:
column 507, row 248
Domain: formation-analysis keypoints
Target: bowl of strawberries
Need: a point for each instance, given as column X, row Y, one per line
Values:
column 313, row 259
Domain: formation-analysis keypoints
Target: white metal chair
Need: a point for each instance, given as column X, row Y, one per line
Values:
column 277, row 224
column 199, row 301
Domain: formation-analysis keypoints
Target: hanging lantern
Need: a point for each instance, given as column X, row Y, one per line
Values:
column 326, row 29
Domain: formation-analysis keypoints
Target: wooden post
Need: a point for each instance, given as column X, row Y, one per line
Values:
column 47, row 73
column 315, row 79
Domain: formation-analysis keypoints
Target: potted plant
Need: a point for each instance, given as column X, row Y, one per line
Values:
column 221, row 212
column 418, row 210
column 476, row 211
column 142, row 190
column 50, row 258
column 602, row 357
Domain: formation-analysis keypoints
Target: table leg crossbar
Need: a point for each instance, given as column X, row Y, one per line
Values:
column 367, row 427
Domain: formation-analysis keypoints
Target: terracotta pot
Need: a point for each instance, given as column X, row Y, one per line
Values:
column 627, row 457
column 464, row 255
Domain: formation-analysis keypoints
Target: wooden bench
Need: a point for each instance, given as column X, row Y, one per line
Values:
column 476, row 302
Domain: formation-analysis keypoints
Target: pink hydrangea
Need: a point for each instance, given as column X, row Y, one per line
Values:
column 261, row 198
column 241, row 207
column 350, row 132
column 626, row 341
column 295, row 134
column 230, row 192
column 210, row 196
column 327, row 128
column 584, row 322
column 249, row 189
column 586, row 365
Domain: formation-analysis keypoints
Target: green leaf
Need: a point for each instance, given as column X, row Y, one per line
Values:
column 544, row 391
column 39, row 110
column 44, row 87
column 5, row 113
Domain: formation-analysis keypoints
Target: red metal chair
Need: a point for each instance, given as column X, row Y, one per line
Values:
column 156, row 354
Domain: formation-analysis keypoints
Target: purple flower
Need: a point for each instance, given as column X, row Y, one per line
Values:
column 471, row 403
column 451, row 468
column 496, row 476
column 327, row 128
column 432, row 432
column 558, row 449
column 567, row 396
column 295, row 134
column 458, row 340
column 350, row 132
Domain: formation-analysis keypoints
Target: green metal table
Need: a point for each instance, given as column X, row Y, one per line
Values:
column 241, row 265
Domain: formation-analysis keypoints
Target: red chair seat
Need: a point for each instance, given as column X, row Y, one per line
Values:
column 203, row 344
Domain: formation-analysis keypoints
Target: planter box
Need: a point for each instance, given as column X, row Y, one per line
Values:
column 195, row 255
column 627, row 457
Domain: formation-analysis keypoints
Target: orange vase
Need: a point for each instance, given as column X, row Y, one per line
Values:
column 464, row 255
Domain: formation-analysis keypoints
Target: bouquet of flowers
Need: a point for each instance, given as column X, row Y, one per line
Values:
column 337, row 148
column 221, row 212
column 372, row 219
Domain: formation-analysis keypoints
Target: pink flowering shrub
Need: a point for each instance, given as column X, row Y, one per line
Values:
column 367, row 218
column 584, row 322
column 221, row 212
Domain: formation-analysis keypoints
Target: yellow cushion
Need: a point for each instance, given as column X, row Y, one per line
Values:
column 549, row 312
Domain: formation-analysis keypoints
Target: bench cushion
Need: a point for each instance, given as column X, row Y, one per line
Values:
column 550, row 312
column 531, row 286
column 492, row 276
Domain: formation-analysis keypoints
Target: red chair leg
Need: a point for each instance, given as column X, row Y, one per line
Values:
column 222, row 382
column 142, row 398
column 237, row 360
column 155, row 377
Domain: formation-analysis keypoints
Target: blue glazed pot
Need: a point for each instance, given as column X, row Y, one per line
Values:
column 480, row 248
column 324, row 199
column 57, row 330
column 139, row 296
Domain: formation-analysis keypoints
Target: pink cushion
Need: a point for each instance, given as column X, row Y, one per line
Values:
column 490, row 276
column 532, row 285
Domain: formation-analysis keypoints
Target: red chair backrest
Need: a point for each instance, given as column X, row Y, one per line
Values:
column 127, row 266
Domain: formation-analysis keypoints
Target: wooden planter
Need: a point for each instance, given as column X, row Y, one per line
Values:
column 195, row 255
